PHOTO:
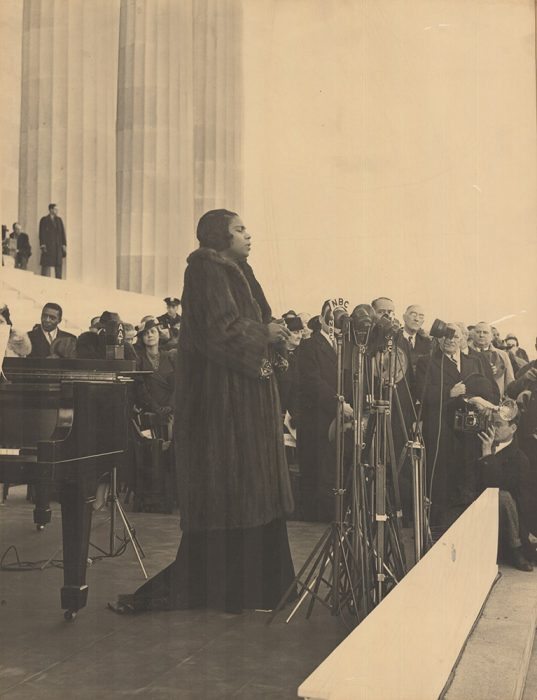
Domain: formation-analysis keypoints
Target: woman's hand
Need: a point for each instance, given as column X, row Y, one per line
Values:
column 278, row 332
column 487, row 438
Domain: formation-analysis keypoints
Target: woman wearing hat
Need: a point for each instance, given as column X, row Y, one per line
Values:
column 155, row 392
column 233, row 481
column 155, row 481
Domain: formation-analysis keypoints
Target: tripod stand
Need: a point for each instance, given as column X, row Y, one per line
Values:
column 414, row 452
column 129, row 531
column 332, row 561
column 385, row 548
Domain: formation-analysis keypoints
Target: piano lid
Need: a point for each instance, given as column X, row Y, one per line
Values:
column 53, row 369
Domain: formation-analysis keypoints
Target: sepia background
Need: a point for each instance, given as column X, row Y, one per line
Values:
column 373, row 147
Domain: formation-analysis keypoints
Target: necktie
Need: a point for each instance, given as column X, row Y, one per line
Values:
column 411, row 340
column 453, row 359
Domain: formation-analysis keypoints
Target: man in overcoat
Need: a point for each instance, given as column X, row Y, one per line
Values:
column 454, row 380
column 52, row 242
column 317, row 402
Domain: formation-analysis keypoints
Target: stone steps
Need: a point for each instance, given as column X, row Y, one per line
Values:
column 495, row 661
column 25, row 294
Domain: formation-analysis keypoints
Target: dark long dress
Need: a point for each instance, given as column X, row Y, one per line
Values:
column 233, row 481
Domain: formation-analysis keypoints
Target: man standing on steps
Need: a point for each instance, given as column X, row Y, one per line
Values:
column 52, row 242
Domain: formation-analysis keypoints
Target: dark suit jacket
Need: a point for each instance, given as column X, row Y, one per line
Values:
column 52, row 235
column 485, row 364
column 24, row 249
column 422, row 348
column 156, row 390
column 40, row 344
column 404, row 397
column 528, row 419
column 510, row 470
column 317, row 404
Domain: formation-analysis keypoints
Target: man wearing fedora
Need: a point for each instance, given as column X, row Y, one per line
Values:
column 90, row 344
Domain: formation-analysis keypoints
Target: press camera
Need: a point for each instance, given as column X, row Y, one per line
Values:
column 468, row 420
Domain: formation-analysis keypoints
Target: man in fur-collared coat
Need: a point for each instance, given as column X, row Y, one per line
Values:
column 454, row 381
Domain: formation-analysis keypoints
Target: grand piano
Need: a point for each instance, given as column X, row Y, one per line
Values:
column 64, row 423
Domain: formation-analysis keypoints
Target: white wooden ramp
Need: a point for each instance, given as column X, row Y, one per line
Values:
column 407, row 647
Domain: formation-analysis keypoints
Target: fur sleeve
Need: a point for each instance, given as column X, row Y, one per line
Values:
column 213, row 325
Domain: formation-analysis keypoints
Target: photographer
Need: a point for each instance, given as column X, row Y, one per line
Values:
column 503, row 465
column 524, row 389
column 454, row 382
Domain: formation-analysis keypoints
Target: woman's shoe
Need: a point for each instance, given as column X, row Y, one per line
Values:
column 121, row 608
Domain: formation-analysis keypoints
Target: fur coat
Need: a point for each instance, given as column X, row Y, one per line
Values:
column 231, row 465
column 18, row 345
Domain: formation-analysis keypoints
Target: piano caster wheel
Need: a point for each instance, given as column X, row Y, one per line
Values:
column 39, row 528
column 69, row 615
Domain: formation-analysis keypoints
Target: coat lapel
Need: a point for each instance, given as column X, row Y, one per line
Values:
column 468, row 365
column 450, row 369
column 325, row 347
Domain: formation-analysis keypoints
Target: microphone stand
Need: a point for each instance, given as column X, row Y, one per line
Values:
column 332, row 560
column 362, row 536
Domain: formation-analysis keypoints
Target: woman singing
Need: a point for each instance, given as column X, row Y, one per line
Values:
column 233, row 481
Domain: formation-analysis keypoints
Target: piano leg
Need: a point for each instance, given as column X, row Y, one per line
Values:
column 42, row 512
column 76, row 498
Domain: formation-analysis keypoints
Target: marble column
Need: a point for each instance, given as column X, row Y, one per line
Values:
column 179, row 132
column 10, row 41
column 154, row 145
column 68, row 116
column 218, row 105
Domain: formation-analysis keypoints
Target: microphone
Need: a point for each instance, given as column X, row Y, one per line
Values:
column 341, row 319
column 363, row 317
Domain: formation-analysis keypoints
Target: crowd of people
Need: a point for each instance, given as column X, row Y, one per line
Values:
column 448, row 392
column 152, row 344
column 248, row 396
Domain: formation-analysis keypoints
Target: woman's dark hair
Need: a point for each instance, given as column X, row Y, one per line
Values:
column 4, row 311
column 213, row 229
